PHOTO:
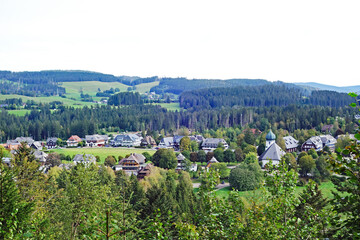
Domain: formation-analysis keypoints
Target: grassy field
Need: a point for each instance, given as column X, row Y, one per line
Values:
column 102, row 152
column 66, row 101
column 170, row 106
column 325, row 187
column 145, row 87
column 90, row 87
column 21, row 112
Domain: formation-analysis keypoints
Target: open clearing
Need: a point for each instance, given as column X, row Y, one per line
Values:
column 102, row 152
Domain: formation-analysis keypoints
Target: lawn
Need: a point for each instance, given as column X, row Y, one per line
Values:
column 90, row 87
column 170, row 106
column 66, row 101
column 145, row 87
column 325, row 187
column 20, row 113
column 102, row 152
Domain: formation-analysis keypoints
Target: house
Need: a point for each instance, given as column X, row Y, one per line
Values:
column 273, row 153
column 166, row 142
column 329, row 141
column 126, row 140
column 148, row 141
column 96, row 140
column 12, row 145
column 28, row 140
column 181, row 162
column 144, row 171
column 210, row 144
column 73, row 141
column 36, row 145
column 313, row 142
column 84, row 158
column 327, row 128
column 197, row 138
column 211, row 161
column 291, row 144
column 51, row 143
column 132, row 164
column 193, row 167
column 40, row 156
column 177, row 139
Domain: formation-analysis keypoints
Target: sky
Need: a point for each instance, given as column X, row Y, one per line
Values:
column 290, row 41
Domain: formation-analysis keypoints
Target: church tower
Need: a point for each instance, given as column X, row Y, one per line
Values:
column 270, row 139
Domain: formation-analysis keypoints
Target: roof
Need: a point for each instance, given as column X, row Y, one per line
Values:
column 80, row 158
column 167, row 141
column 127, row 137
column 40, row 156
column 274, row 152
column 52, row 139
column 270, row 136
column 96, row 137
column 213, row 141
column 75, row 138
column 139, row 158
column 213, row 160
column 37, row 145
column 327, row 128
column 290, row 142
column 177, row 138
column 28, row 140
column 327, row 139
column 316, row 140
column 180, row 157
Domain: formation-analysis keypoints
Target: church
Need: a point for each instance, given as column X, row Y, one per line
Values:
column 272, row 151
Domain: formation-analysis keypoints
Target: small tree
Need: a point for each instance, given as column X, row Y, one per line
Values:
column 110, row 161
column 242, row 179
column 307, row 165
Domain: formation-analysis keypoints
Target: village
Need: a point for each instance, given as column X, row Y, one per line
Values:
column 137, row 164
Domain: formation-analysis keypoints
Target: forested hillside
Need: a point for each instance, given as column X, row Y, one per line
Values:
column 65, row 122
column 259, row 96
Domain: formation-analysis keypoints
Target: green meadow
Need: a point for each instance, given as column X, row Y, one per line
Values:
column 102, row 152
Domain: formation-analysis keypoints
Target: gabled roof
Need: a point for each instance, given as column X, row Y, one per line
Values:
column 96, row 137
column 274, row 152
column 316, row 140
column 40, row 156
column 215, row 141
column 213, row 160
column 75, row 138
column 28, row 140
column 167, row 141
column 180, row 157
column 126, row 137
column 80, row 158
column 37, row 145
column 52, row 139
column 290, row 142
column 328, row 139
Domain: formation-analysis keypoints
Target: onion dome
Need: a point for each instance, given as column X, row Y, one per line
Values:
column 270, row 136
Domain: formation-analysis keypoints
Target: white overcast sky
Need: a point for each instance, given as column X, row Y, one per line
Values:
column 291, row 41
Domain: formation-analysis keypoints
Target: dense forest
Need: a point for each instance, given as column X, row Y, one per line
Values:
column 259, row 96
column 45, row 77
column 47, row 88
column 90, row 201
column 65, row 121
column 179, row 85
column 125, row 98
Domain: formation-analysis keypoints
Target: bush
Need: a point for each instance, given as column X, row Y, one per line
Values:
column 242, row 179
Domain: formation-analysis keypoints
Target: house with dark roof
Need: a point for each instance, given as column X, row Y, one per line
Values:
column 291, row 144
column 148, row 141
column 181, row 162
column 210, row 144
column 132, row 164
column 313, row 142
column 51, row 142
column 272, row 153
column 327, row 128
column 144, row 171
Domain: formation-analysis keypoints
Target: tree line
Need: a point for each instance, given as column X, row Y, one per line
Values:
column 67, row 121
column 259, row 96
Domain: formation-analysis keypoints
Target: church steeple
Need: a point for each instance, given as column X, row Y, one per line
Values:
column 270, row 139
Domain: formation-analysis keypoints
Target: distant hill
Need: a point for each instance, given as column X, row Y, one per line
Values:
column 179, row 85
column 319, row 86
